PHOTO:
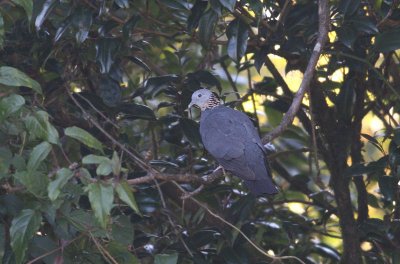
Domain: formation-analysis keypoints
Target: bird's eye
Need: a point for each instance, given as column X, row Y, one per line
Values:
column 199, row 95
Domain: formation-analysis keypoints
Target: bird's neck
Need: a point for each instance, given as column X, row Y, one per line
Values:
column 214, row 101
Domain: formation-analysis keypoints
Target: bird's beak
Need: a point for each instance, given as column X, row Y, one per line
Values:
column 190, row 109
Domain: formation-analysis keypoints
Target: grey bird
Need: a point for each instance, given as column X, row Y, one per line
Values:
column 231, row 138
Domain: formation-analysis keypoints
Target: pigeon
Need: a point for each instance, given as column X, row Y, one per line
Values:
column 231, row 138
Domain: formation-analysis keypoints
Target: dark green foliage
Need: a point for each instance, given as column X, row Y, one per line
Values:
column 93, row 109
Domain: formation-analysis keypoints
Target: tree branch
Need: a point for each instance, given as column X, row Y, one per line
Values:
column 323, row 28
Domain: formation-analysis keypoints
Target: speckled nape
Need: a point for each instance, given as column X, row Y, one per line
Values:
column 213, row 101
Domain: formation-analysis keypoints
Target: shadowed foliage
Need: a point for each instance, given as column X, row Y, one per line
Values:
column 97, row 148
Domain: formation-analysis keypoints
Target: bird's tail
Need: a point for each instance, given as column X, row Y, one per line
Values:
column 259, row 187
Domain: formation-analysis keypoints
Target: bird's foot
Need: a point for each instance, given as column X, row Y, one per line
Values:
column 217, row 173
column 219, row 168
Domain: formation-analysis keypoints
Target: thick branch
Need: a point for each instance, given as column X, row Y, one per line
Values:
column 308, row 74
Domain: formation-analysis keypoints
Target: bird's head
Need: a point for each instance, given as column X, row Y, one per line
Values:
column 204, row 99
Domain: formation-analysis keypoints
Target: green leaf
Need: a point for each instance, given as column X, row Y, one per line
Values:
column 101, row 198
column 63, row 27
column 116, row 164
column 27, row 5
column 129, row 26
column 195, row 14
column 206, row 27
column 155, row 85
column 82, row 21
column 237, row 33
column 166, row 258
column 5, row 161
column 110, row 91
column 94, row 159
column 348, row 7
column 191, row 130
column 326, row 251
column 137, row 111
column 228, row 4
column 1, row 31
column 122, row 3
column 387, row 185
column 139, row 62
column 104, row 168
column 13, row 77
column 62, row 177
column 52, row 135
column 23, row 228
column 363, row 25
column 35, row 182
column 38, row 154
column 106, row 49
column 122, row 230
column 388, row 41
column 84, row 137
column 374, row 142
column 125, row 193
column 10, row 105
column 38, row 126
column 105, row 164
column 121, row 253
column 347, row 35
column 48, row 6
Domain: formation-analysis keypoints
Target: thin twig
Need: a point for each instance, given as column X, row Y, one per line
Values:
column 97, row 111
column 106, row 255
column 318, row 179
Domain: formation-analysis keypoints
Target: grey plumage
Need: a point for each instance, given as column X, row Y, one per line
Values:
column 231, row 138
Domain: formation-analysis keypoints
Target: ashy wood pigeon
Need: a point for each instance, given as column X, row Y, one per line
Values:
column 231, row 138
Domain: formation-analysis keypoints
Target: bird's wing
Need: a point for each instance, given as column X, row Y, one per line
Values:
column 225, row 135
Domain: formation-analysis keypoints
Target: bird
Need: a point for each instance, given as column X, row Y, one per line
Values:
column 231, row 138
